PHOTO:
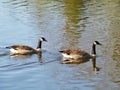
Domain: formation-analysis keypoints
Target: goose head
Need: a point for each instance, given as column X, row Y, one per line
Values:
column 97, row 43
column 42, row 39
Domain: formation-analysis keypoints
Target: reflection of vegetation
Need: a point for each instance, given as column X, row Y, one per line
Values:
column 112, row 8
column 72, row 10
column 73, row 17
column 53, row 12
column 114, row 31
column 116, row 53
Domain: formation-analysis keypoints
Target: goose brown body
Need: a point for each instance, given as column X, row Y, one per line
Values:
column 23, row 49
column 76, row 54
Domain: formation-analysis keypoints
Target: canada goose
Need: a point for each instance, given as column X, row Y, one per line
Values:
column 23, row 49
column 78, row 55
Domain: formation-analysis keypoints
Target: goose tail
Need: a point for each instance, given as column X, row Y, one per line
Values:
column 8, row 47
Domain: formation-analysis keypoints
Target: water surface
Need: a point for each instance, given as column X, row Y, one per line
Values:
column 65, row 24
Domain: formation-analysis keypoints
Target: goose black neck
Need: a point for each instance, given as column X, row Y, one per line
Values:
column 94, row 49
column 39, row 44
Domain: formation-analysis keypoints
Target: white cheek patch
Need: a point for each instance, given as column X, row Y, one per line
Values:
column 41, row 39
column 66, row 55
column 95, row 43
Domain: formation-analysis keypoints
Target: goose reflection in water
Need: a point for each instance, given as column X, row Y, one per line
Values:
column 95, row 68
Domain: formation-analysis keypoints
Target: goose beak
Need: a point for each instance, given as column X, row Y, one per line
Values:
column 100, row 44
column 45, row 40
